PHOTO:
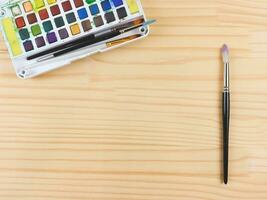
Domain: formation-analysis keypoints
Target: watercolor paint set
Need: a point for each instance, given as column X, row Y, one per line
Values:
column 42, row 35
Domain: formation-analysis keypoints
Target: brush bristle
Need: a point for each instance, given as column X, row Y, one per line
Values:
column 225, row 53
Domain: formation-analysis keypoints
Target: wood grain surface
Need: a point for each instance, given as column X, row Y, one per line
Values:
column 143, row 122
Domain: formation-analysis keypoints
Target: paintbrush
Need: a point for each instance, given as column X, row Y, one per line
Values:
column 108, row 44
column 122, row 40
column 108, row 34
column 226, row 110
column 91, row 37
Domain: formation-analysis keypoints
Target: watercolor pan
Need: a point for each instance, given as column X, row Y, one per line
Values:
column 33, row 26
column 27, row 5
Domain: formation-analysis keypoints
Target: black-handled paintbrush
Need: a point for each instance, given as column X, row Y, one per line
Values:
column 226, row 111
column 105, row 35
column 91, row 37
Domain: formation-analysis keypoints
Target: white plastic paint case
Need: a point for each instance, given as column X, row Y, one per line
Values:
column 30, row 68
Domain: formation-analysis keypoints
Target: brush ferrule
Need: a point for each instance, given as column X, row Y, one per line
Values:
column 226, row 77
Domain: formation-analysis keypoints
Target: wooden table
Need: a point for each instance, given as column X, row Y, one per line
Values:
column 143, row 122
